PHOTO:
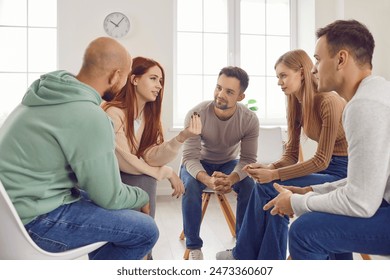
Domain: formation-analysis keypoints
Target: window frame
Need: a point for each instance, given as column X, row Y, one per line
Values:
column 234, row 49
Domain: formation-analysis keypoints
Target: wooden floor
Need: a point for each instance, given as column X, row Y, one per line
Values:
column 214, row 230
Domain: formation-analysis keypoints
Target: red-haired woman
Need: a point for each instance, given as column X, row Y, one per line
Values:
column 140, row 148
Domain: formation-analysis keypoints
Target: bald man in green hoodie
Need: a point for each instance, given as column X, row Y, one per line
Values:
column 58, row 162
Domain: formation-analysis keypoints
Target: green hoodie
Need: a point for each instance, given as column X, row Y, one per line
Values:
column 56, row 139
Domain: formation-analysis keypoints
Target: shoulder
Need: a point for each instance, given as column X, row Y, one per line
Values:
column 330, row 100
column 115, row 111
column 245, row 113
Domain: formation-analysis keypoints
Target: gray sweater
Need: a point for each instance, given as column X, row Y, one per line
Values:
column 366, row 120
column 222, row 141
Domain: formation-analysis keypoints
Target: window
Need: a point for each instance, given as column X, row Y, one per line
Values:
column 212, row 34
column 28, row 32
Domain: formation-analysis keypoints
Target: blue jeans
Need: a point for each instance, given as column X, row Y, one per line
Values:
column 263, row 236
column 130, row 234
column 317, row 235
column 192, row 200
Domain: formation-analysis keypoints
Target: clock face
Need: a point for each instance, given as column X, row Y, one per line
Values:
column 116, row 25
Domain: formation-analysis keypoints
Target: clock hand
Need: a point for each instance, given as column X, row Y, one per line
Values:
column 120, row 21
column 116, row 25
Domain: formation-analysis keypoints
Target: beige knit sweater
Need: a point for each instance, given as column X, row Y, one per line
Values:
column 156, row 157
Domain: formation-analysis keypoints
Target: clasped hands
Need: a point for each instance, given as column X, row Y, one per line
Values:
column 220, row 182
column 262, row 173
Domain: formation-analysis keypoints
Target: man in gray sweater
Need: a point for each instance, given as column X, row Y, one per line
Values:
column 351, row 215
column 215, row 159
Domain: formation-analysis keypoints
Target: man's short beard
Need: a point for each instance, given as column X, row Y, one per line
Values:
column 220, row 106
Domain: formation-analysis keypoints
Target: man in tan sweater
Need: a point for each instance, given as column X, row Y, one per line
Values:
column 215, row 159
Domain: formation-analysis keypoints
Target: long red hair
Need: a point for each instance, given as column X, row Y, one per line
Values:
column 126, row 100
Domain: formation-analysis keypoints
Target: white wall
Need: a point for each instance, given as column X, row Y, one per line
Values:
column 151, row 35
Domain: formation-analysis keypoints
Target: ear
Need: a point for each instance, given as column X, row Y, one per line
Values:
column 343, row 57
column 114, row 77
column 241, row 96
column 133, row 80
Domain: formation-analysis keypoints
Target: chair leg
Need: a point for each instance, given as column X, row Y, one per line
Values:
column 186, row 254
column 205, row 203
column 366, row 257
column 228, row 213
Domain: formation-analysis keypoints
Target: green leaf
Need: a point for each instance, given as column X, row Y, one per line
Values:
column 253, row 108
column 252, row 101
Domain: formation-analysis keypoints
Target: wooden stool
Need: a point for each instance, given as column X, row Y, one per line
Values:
column 226, row 210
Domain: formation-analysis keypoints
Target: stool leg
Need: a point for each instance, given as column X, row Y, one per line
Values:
column 365, row 257
column 186, row 254
column 228, row 213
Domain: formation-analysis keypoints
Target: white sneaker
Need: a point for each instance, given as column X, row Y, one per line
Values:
column 225, row 255
column 196, row 255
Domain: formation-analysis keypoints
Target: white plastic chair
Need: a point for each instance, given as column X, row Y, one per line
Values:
column 16, row 244
column 270, row 145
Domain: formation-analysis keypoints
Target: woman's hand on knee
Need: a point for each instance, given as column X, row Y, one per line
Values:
column 177, row 185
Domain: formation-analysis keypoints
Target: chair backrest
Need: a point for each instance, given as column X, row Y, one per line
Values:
column 270, row 145
column 15, row 242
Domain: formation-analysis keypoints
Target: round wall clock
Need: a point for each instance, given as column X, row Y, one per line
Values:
column 116, row 24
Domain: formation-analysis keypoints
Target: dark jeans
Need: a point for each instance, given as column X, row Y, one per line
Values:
column 192, row 200
column 263, row 236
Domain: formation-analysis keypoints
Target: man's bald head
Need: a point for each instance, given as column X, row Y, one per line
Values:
column 104, row 55
column 106, row 66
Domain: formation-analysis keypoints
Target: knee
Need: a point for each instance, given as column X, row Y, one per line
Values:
column 151, row 229
column 192, row 186
column 297, row 231
column 245, row 186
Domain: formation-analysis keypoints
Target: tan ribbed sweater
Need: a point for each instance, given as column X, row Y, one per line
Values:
column 155, row 158
column 325, row 127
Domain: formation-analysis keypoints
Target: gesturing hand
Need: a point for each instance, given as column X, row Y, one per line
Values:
column 281, row 205
column 193, row 129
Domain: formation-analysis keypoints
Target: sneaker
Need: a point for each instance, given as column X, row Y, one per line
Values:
column 196, row 254
column 225, row 255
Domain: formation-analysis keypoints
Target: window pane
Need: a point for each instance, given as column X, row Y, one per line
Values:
column 13, row 12
column 215, row 53
column 189, row 15
column 42, row 13
column 189, row 53
column 189, row 94
column 13, row 51
column 209, row 84
column 215, row 16
column 253, row 54
column 257, row 90
column 276, row 100
column 42, row 57
column 253, row 16
column 13, row 86
column 278, row 17
column 276, row 46
column 32, row 77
